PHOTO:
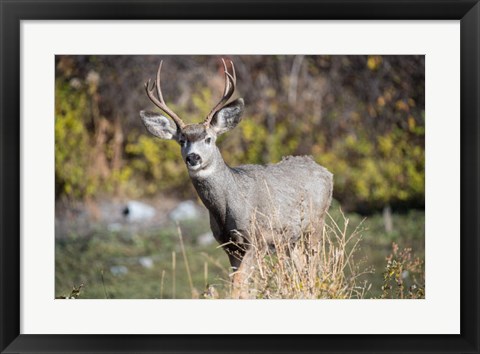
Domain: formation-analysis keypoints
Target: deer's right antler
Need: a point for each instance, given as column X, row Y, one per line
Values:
column 160, row 102
column 230, row 84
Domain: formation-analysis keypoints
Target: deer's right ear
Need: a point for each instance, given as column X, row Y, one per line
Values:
column 159, row 125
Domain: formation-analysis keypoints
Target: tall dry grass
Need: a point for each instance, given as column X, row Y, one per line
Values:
column 322, row 264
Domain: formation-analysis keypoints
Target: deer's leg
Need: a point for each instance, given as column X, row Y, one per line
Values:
column 235, row 249
column 241, row 259
column 242, row 275
column 235, row 256
column 235, row 259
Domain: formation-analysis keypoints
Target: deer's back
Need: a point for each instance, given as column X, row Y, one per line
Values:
column 289, row 195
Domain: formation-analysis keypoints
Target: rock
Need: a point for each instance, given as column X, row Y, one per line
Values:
column 146, row 262
column 205, row 239
column 136, row 211
column 185, row 211
column 118, row 270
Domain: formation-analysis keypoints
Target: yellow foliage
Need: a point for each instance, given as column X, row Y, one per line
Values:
column 381, row 101
column 71, row 144
column 411, row 123
column 385, row 144
column 401, row 106
column 374, row 61
column 376, row 172
column 158, row 161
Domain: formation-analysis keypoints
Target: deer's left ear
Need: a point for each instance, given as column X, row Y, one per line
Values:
column 228, row 117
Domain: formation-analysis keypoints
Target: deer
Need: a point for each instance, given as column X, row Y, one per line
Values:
column 286, row 197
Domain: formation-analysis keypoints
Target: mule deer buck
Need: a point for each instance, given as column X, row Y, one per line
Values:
column 285, row 197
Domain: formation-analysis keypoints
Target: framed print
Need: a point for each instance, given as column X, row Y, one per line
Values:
column 294, row 176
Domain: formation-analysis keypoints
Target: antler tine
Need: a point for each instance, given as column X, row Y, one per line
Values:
column 160, row 102
column 234, row 77
column 227, row 81
column 159, row 87
column 229, row 89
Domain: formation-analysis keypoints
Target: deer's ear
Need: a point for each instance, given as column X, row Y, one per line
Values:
column 158, row 125
column 228, row 117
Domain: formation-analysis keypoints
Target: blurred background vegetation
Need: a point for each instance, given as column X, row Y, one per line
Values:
column 362, row 117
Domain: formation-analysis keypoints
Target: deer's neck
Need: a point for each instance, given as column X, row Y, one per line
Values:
column 215, row 188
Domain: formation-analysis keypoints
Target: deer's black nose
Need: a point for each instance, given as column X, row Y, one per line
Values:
column 193, row 159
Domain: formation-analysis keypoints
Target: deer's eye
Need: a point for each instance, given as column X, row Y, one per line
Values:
column 208, row 140
column 183, row 142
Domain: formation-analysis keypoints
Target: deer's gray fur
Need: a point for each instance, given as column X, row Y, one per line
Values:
column 285, row 197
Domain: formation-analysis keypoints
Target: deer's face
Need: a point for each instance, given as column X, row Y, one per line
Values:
column 198, row 147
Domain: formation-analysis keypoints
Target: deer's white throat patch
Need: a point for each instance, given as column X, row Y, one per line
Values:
column 201, row 172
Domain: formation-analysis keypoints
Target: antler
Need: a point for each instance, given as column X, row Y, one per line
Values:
column 159, row 102
column 230, row 83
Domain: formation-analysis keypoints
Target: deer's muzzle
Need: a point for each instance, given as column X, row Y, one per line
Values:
column 193, row 160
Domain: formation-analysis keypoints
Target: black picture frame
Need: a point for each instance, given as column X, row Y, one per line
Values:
column 13, row 12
